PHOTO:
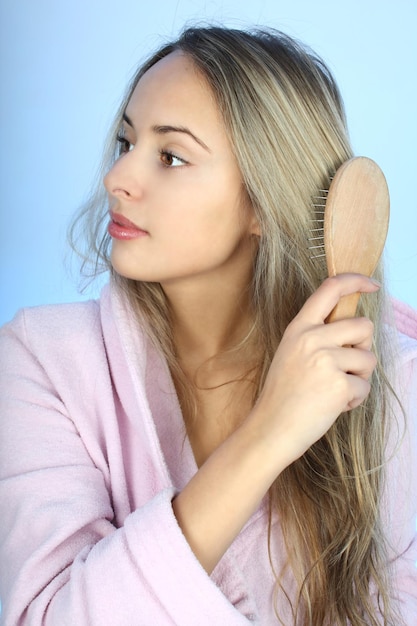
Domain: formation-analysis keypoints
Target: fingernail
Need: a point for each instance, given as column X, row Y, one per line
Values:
column 375, row 282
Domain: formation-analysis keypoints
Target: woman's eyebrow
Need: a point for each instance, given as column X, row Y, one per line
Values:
column 164, row 129
column 127, row 120
column 180, row 129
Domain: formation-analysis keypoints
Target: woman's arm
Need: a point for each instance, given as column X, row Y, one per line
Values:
column 313, row 378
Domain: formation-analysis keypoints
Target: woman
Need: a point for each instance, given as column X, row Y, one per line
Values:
column 199, row 447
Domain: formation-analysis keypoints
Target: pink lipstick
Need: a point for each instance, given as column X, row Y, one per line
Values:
column 121, row 228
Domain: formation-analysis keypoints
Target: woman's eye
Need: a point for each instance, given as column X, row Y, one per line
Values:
column 124, row 144
column 171, row 160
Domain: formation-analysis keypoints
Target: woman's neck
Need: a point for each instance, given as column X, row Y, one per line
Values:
column 210, row 319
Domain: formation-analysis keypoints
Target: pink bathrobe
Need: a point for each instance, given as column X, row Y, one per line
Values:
column 92, row 451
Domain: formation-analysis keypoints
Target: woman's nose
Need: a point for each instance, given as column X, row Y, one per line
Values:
column 122, row 180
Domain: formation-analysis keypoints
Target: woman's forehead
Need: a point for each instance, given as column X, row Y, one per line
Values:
column 176, row 77
column 174, row 91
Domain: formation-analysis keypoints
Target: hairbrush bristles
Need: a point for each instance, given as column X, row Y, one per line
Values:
column 316, row 241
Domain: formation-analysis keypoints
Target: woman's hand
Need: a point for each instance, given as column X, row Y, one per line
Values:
column 319, row 369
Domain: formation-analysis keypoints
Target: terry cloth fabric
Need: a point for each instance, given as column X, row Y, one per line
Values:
column 92, row 451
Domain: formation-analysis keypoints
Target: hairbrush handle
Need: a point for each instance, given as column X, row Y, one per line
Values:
column 345, row 308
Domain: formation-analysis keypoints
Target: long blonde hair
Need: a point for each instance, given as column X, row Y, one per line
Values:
column 285, row 119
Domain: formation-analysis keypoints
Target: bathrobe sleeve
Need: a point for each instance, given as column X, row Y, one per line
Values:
column 63, row 558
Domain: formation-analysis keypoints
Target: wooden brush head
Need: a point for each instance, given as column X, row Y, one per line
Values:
column 356, row 221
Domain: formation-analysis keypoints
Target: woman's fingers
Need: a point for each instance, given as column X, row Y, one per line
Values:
column 357, row 332
column 355, row 361
column 322, row 302
column 359, row 389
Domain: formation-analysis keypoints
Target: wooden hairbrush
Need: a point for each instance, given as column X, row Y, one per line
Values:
column 356, row 217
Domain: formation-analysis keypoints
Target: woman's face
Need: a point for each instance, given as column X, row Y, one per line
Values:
column 177, row 204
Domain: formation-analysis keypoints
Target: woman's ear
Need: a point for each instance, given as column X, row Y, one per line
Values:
column 254, row 228
column 252, row 221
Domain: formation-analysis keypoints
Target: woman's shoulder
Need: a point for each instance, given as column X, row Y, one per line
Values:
column 54, row 321
column 81, row 335
column 405, row 320
column 63, row 330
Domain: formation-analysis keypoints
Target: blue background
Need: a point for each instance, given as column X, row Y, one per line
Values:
column 66, row 64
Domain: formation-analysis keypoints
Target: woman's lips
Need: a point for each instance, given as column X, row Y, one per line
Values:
column 121, row 228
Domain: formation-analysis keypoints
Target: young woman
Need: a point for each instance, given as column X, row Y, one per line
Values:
column 199, row 447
